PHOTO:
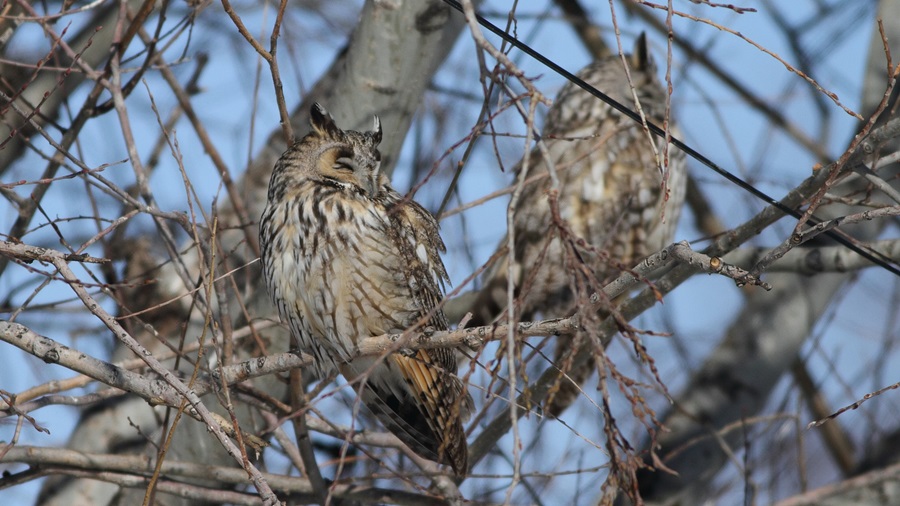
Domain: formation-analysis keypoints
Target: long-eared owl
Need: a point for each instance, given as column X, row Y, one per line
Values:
column 612, row 198
column 347, row 257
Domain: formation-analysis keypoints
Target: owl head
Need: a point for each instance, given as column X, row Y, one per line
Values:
column 608, row 75
column 576, row 108
column 643, row 70
column 344, row 157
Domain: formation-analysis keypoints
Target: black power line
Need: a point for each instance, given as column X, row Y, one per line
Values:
column 869, row 254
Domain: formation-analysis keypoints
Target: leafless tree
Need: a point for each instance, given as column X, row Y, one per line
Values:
column 142, row 361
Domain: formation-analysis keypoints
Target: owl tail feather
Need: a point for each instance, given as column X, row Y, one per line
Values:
column 421, row 404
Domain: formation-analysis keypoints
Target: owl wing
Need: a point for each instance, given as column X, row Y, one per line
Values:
column 418, row 397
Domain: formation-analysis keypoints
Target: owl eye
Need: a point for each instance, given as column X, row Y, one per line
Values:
column 344, row 164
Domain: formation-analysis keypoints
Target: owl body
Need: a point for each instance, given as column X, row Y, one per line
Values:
column 346, row 257
column 611, row 196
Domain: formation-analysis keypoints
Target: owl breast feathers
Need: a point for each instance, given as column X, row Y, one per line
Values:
column 346, row 257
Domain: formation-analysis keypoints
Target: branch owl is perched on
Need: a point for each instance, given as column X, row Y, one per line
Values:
column 347, row 257
column 610, row 194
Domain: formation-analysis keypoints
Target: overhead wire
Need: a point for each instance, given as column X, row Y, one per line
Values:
column 873, row 256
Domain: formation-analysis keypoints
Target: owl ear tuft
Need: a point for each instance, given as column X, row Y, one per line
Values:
column 321, row 121
column 640, row 56
column 376, row 130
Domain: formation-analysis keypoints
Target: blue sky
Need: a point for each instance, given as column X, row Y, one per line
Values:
column 712, row 118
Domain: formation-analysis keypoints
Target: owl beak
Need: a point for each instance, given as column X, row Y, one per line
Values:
column 372, row 181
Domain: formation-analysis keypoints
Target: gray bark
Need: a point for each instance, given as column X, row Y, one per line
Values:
column 94, row 56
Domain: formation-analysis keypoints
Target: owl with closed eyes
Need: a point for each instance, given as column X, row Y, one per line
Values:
column 618, row 202
column 346, row 257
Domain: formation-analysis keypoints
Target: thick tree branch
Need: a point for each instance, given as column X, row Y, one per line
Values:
column 139, row 467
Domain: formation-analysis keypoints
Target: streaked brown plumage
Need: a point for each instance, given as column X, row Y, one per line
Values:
column 610, row 194
column 346, row 257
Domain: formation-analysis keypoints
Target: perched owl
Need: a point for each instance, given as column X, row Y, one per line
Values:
column 346, row 257
column 611, row 194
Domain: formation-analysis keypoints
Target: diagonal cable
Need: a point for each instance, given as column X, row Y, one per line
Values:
column 873, row 256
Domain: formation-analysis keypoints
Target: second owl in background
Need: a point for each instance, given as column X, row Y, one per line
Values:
column 611, row 195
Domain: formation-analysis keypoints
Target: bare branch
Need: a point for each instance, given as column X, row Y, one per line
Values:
column 132, row 466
